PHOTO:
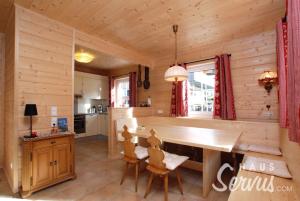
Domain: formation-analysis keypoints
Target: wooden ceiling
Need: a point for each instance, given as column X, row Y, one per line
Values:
column 103, row 61
column 145, row 25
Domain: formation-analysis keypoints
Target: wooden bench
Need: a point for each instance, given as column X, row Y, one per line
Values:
column 284, row 189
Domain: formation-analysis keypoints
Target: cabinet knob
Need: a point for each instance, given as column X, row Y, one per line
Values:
column 51, row 163
column 53, row 142
column 55, row 162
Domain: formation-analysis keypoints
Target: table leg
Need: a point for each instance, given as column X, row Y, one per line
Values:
column 211, row 166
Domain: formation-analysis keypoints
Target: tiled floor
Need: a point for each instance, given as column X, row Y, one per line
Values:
column 98, row 179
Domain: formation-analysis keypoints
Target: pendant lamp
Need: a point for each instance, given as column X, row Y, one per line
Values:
column 176, row 73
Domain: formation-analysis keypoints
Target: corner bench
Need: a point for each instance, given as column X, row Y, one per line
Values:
column 284, row 189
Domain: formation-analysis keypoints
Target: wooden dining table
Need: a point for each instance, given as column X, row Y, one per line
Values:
column 212, row 141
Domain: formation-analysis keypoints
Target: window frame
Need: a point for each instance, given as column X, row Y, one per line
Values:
column 198, row 67
column 119, row 79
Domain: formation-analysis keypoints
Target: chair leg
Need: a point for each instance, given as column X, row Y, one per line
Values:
column 136, row 175
column 125, row 173
column 166, row 187
column 179, row 181
column 149, row 185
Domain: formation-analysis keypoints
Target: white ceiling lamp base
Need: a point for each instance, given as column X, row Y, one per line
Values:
column 84, row 57
column 176, row 73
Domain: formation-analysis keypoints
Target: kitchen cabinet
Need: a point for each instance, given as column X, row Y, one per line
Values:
column 91, row 88
column 104, row 88
column 103, row 124
column 91, row 124
column 46, row 161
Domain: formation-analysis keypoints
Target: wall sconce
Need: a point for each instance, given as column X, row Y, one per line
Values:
column 268, row 79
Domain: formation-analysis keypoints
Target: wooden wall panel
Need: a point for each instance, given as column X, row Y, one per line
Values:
column 250, row 57
column 2, row 60
column 44, row 70
column 43, row 73
column 109, row 48
column 291, row 153
column 10, row 140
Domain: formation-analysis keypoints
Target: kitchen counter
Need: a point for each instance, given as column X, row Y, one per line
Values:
column 100, row 113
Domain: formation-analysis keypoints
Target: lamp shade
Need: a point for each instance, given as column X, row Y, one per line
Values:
column 268, row 76
column 176, row 73
column 30, row 110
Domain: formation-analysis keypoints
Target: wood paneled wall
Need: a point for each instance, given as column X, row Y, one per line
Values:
column 2, row 54
column 10, row 140
column 109, row 48
column 39, row 69
column 250, row 57
column 291, row 153
column 44, row 69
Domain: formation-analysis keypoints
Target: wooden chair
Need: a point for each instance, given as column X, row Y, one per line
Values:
column 132, row 155
column 162, row 163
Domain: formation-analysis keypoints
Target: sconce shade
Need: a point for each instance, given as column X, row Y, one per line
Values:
column 176, row 73
column 268, row 79
column 268, row 76
column 30, row 110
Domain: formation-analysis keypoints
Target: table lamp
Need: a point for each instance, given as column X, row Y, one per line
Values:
column 30, row 110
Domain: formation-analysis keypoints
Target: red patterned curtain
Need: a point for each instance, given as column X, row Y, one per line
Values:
column 111, row 92
column 224, row 100
column 282, row 71
column 293, row 70
column 179, row 98
column 132, row 89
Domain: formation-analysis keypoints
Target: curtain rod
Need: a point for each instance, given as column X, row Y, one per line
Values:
column 211, row 58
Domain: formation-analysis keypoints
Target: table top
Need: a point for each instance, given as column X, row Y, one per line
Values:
column 214, row 139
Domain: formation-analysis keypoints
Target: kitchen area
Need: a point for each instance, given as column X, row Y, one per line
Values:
column 90, row 104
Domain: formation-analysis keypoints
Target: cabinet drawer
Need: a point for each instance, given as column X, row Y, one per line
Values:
column 49, row 142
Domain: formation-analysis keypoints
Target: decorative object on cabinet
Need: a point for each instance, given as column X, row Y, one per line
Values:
column 146, row 81
column 46, row 161
column 62, row 124
column 84, row 57
column 30, row 110
column 139, row 81
column 54, row 129
column 176, row 73
column 268, row 79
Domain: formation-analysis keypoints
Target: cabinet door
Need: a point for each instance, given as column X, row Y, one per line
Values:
column 42, row 166
column 104, row 88
column 78, row 85
column 91, row 88
column 91, row 124
column 102, row 124
column 62, row 160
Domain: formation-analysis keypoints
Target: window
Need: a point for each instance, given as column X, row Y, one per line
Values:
column 122, row 92
column 201, row 89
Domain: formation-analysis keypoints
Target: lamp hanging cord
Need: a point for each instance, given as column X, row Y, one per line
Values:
column 175, row 29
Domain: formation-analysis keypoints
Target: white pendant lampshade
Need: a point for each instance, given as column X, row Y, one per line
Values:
column 176, row 73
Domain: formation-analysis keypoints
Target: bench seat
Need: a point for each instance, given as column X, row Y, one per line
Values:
column 284, row 189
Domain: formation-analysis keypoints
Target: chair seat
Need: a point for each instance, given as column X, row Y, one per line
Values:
column 140, row 152
column 172, row 161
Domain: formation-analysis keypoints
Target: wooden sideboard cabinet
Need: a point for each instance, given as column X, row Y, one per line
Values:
column 46, row 161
